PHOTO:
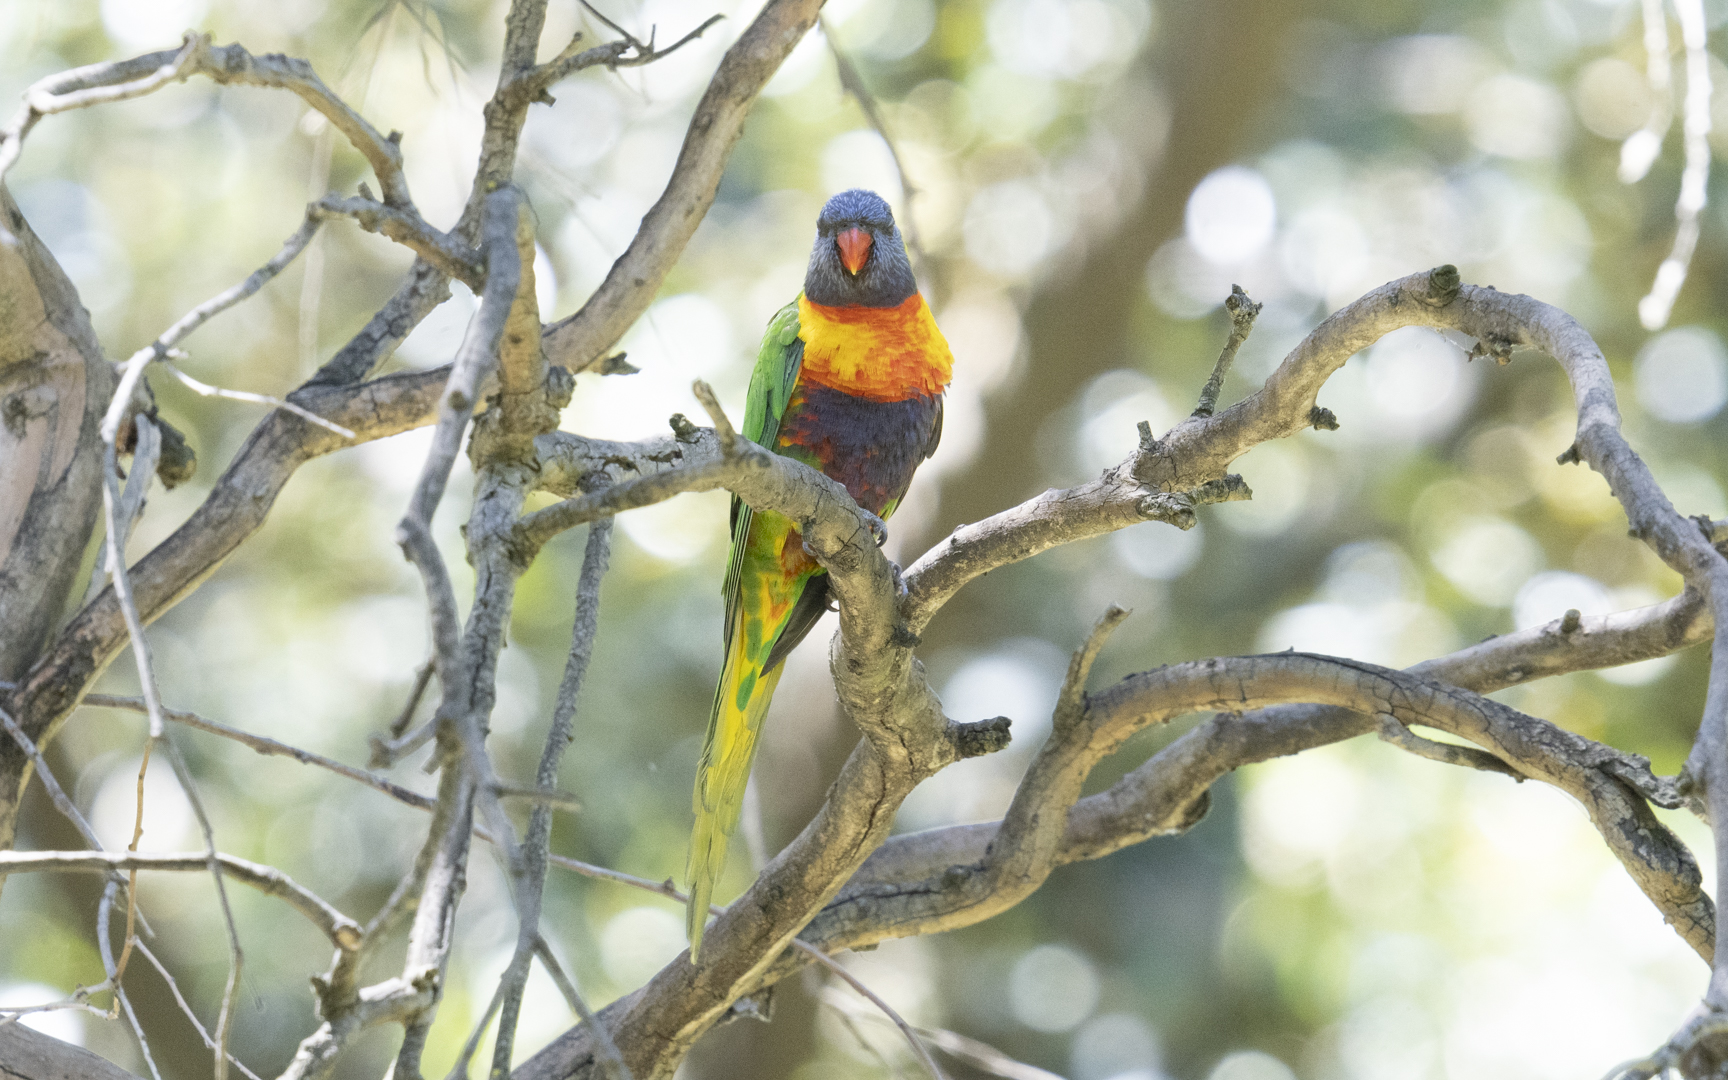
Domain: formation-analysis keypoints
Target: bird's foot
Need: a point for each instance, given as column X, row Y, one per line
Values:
column 878, row 527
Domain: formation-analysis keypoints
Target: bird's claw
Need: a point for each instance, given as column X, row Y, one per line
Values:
column 878, row 528
column 899, row 579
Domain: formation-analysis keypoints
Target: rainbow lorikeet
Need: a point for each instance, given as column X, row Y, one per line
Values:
column 849, row 380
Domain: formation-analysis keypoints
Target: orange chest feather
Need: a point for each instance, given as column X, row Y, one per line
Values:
column 885, row 354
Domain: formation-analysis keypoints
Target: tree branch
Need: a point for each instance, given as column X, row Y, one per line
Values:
column 342, row 931
column 581, row 340
column 926, row 882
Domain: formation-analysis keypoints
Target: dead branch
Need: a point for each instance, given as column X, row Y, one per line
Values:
column 342, row 931
column 581, row 340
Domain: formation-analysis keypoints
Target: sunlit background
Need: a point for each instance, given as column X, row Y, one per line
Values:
column 1088, row 179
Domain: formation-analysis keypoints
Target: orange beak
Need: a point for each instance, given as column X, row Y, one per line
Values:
column 854, row 249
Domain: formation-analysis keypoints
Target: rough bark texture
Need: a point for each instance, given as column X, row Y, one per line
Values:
column 54, row 385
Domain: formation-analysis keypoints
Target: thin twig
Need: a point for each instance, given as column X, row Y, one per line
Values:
column 613, row 54
column 123, row 1004
column 912, row 1039
column 339, row 928
column 1242, row 311
column 422, row 678
column 611, row 1059
column 133, row 369
column 544, row 796
column 92, row 86
column 866, row 1045
column 1394, row 731
column 236, row 958
column 268, row 747
column 459, row 1070
column 186, row 1008
column 531, row 881
column 56, row 794
column 404, row 225
column 206, row 390
column 980, row 1055
column 853, row 83
column 11, row 1014
column 387, row 752
column 146, row 452
column 123, row 588
column 132, row 874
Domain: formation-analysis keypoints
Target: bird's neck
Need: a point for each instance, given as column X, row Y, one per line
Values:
column 885, row 354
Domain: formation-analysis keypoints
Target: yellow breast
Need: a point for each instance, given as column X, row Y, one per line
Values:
column 885, row 354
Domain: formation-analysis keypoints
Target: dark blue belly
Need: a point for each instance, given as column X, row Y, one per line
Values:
column 872, row 447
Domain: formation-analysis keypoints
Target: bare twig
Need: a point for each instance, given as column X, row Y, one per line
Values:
column 343, row 932
column 100, row 84
column 1243, row 312
column 186, row 1008
column 387, row 752
column 628, row 52
column 132, row 875
column 94, row 85
column 56, row 794
column 266, row 746
column 422, row 678
column 105, row 947
column 979, row 1055
column 236, row 958
column 404, row 225
column 630, row 286
column 610, row 1059
column 145, row 453
column 79, row 1001
column 123, row 587
column 919, row 1050
column 1396, row 733
column 206, row 390
column 853, row 83
column 459, row 1070
column 467, row 659
column 478, row 356
column 530, row 883
column 133, row 369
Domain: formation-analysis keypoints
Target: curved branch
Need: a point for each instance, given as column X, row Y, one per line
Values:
column 99, row 84
column 580, row 340
column 956, row 876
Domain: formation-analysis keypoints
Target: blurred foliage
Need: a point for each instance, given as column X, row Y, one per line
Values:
column 1091, row 176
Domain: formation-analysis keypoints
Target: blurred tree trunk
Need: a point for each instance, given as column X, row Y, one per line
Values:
column 1219, row 64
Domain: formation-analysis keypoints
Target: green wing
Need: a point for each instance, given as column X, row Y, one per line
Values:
column 771, row 383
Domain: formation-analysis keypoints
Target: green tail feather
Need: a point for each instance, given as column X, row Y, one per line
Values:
column 707, row 856
column 740, row 701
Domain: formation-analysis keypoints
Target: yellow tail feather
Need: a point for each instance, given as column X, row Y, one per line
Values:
column 721, row 777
